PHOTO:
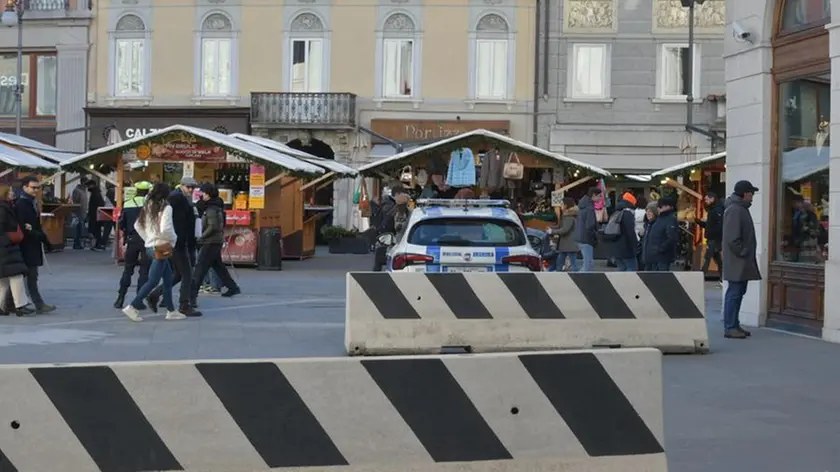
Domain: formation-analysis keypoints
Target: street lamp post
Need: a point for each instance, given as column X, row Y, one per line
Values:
column 13, row 16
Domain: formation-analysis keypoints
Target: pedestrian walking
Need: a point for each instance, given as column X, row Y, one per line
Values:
column 714, row 231
column 586, row 227
column 12, row 266
column 211, row 284
column 95, row 227
column 134, row 253
column 183, row 217
column 79, row 198
column 567, row 248
column 620, row 234
column 662, row 237
column 645, row 252
column 739, row 255
column 154, row 225
column 34, row 239
column 212, row 239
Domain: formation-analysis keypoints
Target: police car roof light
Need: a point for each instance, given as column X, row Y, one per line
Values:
column 462, row 203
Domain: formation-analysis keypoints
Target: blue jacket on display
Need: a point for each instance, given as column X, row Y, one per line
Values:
column 461, row 168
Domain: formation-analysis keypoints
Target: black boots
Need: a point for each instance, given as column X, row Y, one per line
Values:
column 120, row 302
column 188, row 310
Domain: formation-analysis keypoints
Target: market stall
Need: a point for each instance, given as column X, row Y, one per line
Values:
column 55, row 209
column 262, row 188
column 690, row 181
column 491, row 165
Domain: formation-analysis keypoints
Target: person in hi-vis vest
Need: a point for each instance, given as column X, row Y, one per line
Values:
column 135, row 251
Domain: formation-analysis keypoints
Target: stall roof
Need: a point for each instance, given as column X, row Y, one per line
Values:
column 40, row 149
column 253, row 150
column 481, row 135
column 800, row 163
column 328, row 164
column 14, row 157
column 687, row 165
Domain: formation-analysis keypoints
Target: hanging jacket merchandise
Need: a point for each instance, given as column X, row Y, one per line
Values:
column 461, row 168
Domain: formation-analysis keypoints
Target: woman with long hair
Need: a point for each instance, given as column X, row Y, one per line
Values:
column 154, row 226
column 12, row 265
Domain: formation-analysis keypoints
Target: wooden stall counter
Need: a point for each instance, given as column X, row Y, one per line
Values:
column 53, row 221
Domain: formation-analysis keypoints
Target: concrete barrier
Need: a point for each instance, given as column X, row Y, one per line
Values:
column 417, row 313
column 529, row 412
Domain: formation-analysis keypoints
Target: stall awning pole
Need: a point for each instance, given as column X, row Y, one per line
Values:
column 327, row 176
column 673, row 183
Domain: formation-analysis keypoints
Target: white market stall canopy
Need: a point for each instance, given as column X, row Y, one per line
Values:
column 484, row 137
column 44, row 151
column 801, row 163
column 328, row 164
column 230, row 144
column 688, row 165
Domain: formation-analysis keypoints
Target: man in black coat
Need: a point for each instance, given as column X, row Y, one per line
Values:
column 95, row 227
column 623, row 247
column 134, row 255
column 183, row 218
column 714, row 231
column 29, row 218
column 660, row 245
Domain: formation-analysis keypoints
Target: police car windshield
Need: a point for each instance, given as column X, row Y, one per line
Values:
column 473, row 232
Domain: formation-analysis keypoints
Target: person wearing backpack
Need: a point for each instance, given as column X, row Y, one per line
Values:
column 620, row 234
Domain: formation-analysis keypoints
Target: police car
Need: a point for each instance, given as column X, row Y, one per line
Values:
column 463, row 236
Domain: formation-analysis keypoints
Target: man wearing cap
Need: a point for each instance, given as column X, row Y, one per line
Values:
column 714, row 231
column 183, row 218
column 739, row 255
column 661, row 239
column 134, row 254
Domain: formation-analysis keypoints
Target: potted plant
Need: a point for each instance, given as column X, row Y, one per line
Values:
column 345, row 241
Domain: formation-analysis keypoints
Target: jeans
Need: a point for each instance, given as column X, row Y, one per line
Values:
column 182, row 273
column 135, row 256
column 78, row 232
column 213, row 280
column 32, row 287
column 560, row 262
column 210, row 257
column 712, row 252
column 626, row 265
column 160, row 271
column 588, row 253
column 732, row 304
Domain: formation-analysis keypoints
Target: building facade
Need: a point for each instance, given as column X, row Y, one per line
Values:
column 781, row 119
column 319, row 75
column 55, row 51
column 615, row 78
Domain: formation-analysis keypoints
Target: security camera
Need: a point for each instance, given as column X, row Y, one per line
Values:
column 740, row 33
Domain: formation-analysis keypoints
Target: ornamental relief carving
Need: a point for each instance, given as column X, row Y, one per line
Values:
column 590, row 15
column 671, row 15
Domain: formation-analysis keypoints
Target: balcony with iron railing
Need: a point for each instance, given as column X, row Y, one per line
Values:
column 48, row 9
column 300, row 110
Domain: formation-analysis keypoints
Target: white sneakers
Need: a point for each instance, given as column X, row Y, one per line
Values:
column 134, row 315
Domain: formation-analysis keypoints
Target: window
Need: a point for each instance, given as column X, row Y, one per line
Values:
column 470, row 232
column 216, row 56
column 307, row 61
column 589, row 78
column 399, row 53
column 39, row 80
column 398, row 68
column 674, row 78
column 798, row 15
column 130, row 57
column 802, row 209
column 491, row 58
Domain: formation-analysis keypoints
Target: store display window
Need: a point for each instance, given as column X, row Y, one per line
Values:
column 799, row 15
column 802, row 202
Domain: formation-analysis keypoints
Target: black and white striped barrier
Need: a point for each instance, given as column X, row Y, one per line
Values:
column 417, row 313
column 571, row 411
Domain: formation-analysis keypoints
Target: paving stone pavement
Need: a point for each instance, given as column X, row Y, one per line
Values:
column 769, row 403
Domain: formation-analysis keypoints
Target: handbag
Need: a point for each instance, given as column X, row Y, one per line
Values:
column 406, row 175
column 16, row 236
column 163, row 251
column 513, row 170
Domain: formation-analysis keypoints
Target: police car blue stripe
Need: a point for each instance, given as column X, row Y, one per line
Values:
column 432, row 268
column 433, row 251
column 499, row 212
column 501, row 253
column 501, row 268
column 434, row 211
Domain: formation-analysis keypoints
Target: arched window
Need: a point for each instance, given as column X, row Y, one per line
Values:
column 493, row 54
column 130, row 57
column 307, row 71
column 217, row 56
column 399, row 56
column 798, row 15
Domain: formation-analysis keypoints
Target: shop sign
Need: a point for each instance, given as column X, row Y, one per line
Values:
column 429, row 130
column 180, row 151
column 135, row 132
column 238, row 218
column 241, row 247
column 189, row 170
column 256, row 192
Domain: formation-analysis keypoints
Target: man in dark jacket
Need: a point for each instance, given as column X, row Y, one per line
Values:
column 387, row 212
column 739, row 256
column 34, row 239
column 714, row 231
column 623, row 247
column 134, row 254
column 660, row 243
column 183, row 218
column 586, row 228
column 95, row 227
column 212, row 240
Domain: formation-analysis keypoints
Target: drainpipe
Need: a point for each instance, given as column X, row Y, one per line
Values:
column 546, row 29
column 535, row 119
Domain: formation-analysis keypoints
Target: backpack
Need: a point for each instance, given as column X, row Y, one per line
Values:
column 612, row 230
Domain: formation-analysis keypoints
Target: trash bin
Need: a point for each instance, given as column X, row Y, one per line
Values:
column 270, row 249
